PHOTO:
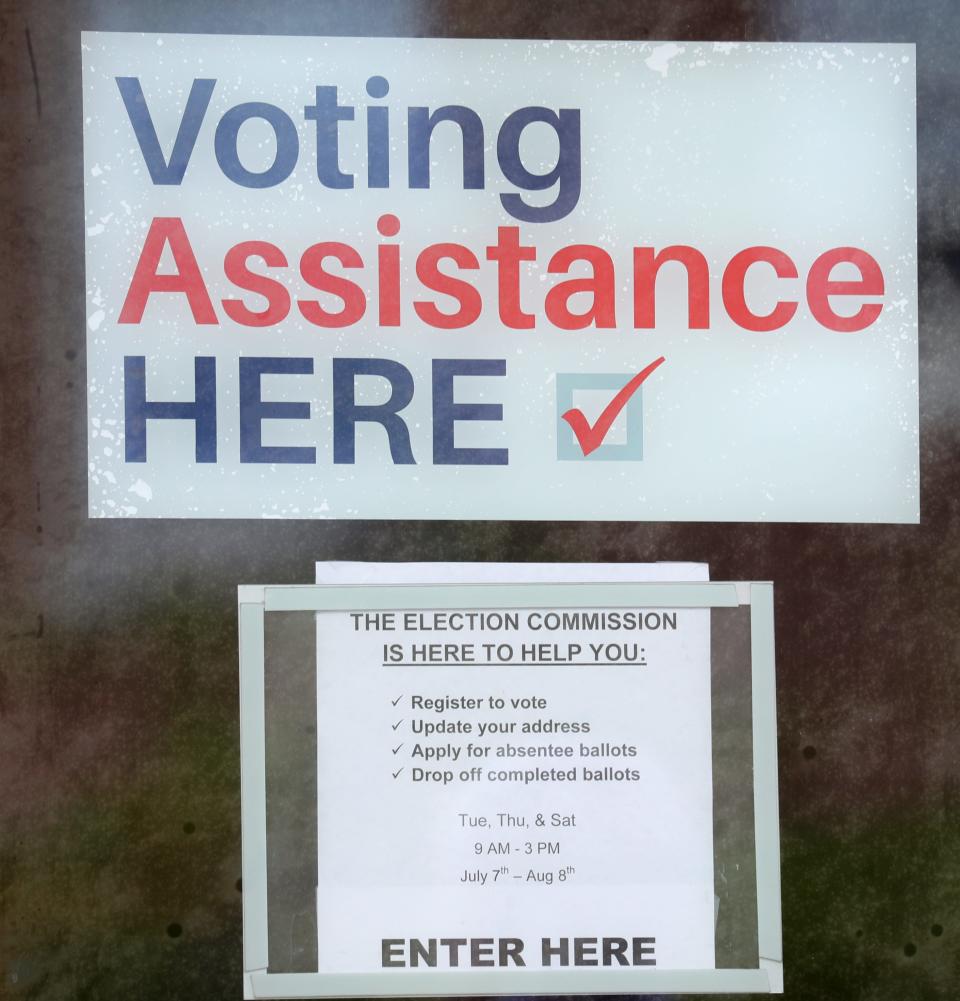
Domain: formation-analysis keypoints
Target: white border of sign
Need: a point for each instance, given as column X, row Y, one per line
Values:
column 255, row 601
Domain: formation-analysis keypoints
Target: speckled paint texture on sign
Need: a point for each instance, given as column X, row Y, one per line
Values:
column 119, row 749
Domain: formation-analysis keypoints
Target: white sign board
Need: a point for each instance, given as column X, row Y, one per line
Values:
column 436, row 278
column 515, row 783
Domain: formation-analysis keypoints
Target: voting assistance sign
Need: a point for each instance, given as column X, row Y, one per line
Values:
column 438, row 278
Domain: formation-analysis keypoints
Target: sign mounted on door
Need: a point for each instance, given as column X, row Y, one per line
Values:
column 359, row 262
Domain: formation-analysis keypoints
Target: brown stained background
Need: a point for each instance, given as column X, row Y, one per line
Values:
column 119, row 759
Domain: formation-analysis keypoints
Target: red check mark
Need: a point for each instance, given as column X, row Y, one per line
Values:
column 591, row 438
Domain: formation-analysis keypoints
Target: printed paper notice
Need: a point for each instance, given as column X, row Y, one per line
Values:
column 514, row 788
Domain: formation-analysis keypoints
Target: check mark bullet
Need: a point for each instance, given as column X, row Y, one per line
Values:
column 395, row 774
column 398, row 723
column 393, row 702
column 397, row 748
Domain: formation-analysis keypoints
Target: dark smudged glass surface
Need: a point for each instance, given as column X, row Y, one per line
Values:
column 119, row 755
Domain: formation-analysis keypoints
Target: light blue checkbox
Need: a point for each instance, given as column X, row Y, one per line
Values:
column 568, row 448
